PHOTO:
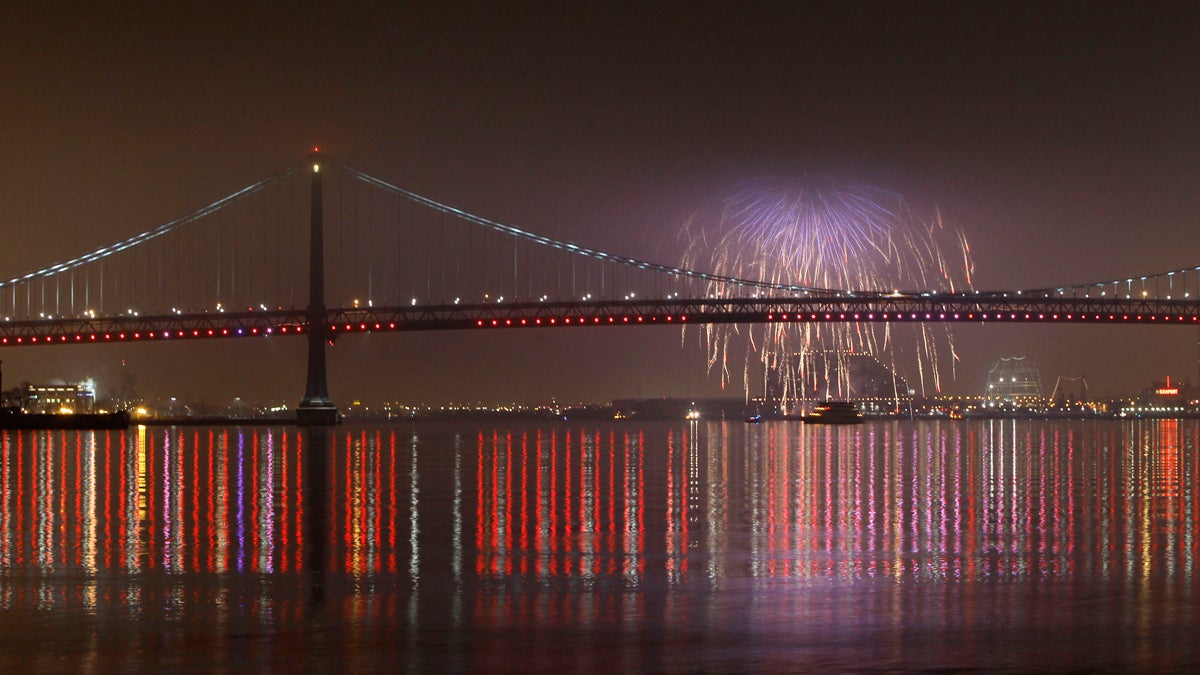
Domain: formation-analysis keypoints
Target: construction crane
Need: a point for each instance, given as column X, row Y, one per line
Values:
column 1058, row 385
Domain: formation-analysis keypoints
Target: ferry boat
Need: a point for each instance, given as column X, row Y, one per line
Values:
column 835, row 412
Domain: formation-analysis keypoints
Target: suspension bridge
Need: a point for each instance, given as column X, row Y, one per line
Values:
column 382, row 258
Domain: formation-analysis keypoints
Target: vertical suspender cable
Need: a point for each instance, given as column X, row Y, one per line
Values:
column 233, row 251
column 370, row 251
column 220, row 252
column 404, row 219
column 428, row 257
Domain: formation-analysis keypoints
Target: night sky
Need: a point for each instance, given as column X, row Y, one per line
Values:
column 1064, row 140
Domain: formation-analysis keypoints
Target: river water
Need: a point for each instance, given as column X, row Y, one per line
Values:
column 1001, row 546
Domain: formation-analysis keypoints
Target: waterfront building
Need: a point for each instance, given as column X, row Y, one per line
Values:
column 53, row 398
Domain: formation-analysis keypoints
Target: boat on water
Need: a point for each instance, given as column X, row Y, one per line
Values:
column 11, row 418
column 835, row 412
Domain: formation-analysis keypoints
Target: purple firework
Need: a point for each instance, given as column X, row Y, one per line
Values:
column 822, row 235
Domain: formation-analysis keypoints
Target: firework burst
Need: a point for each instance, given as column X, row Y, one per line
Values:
column 822, row 235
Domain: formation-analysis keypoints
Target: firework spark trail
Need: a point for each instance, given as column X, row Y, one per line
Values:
column 821, row 234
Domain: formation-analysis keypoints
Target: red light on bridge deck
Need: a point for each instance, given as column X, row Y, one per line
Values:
column 254, row 331
column 495, row 322
column 508, row 322
column 377, row 326
column 595, row 319
column 479, row 323
column 625, row 319
column 639, row 319
column 523, row 323
column 3, row 341
column 537, row 322
column 19, row 340
column 224, row 331
column 180, row 333
column 362, row 326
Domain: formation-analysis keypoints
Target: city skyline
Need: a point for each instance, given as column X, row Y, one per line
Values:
column 1056, row 140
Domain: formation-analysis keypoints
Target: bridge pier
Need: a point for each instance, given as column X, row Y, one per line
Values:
column 316, row 408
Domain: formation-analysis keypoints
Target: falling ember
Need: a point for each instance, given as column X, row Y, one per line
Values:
column 819, row 234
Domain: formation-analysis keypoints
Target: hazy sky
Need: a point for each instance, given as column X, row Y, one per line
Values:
column 1064, row 140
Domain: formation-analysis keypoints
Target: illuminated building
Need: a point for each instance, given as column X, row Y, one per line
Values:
column 51, row 398
column 1166, row 399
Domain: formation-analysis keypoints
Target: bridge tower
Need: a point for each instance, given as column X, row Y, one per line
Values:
column 316, row 408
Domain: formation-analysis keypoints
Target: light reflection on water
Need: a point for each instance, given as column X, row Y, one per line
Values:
column 1000, row 545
